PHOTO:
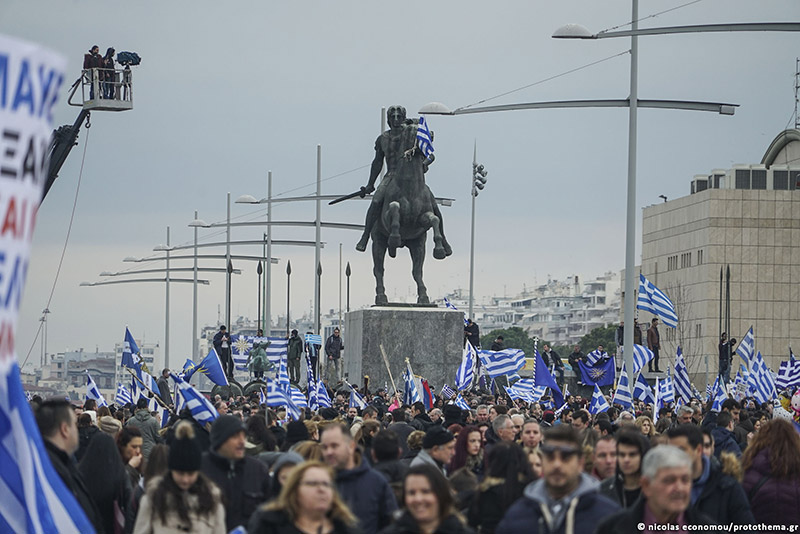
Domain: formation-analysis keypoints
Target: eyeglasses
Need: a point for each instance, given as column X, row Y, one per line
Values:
column 565, row 452
column 317, row 484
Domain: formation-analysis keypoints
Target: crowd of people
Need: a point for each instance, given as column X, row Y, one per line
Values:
column 502, row 466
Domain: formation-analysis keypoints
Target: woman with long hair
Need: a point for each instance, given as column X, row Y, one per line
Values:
column 645, row 426
column 508, row 472
column 129, row 444
column 183, row 500
column 771, row 464
column 429, row 505
column 258, row 437
column 104, row 474
column 469, row 451
column 308, row 502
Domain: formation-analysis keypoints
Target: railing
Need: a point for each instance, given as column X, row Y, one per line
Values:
column 107, row 84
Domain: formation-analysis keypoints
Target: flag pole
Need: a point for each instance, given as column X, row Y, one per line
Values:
column 155, row 395
column 386, row 362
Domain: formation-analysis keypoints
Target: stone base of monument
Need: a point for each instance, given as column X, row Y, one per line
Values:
column 431, row 338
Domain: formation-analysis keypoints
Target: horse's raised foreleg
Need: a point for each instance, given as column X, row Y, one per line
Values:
column 378, row 254
column 393, row 214
column 416, row 248
column 429, row 220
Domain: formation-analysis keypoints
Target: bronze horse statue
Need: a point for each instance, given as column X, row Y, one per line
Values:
column 403, row 208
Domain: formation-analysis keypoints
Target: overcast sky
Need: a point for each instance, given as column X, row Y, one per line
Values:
column 226, row 93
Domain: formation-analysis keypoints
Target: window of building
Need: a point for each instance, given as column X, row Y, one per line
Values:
column 794, row 180
column 672, row 262
column 742, row 178
column 717, row 179
column 686, row 260
column 780, row 180
column 700, row 257
column 698, row 330
column 759, row 179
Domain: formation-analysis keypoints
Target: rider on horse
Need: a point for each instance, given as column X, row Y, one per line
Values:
column 392, row 146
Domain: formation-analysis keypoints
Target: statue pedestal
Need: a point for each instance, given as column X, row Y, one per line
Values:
column 431, row 338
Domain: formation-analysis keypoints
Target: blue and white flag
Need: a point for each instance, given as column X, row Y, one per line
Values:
column 311, row 385
column 283, row 374
column 720, row 396
column 602, row 374
column 543, row 378
column 683, row 386
column 448, row 392
column 622, row 395
column 313, row 339
column 298, row 397
column 599, row 402
column 654, row 300
column 241, row 346
column 424, row 137
column 93, row 392
column 466, row 371
column 641, row 355
column 130, row 351
column 710, row 389
column 504, row 362
column 211, row 366
column 461, row 403
column 200, row 407
column 642, row 390
column 356, row 400
column 162, row 414
column 788, row 375
column 596, row 356
column 146, row 379
column 410, row 391
column 323, row 399
column 452, row 306
column 747, row 346
column 761, row 382
column 277, row 396
column 123, row 396
column 667, row 393
column 262, row 397
column 523, row 389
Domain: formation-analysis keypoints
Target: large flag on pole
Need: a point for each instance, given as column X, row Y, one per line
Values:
column 746, row 349
column 200, row 407
column 93, row 392
column 33, row 498
column 466, row 371
column 654, row 300
column 642, row 390
column 130, row 351
column 683, row 387
column 602, row 374
column 504, row 362
column 410, row 391
column 599, row 402
column 210, row 366
column 622, row 395
column 424, row 137
column 542, row 377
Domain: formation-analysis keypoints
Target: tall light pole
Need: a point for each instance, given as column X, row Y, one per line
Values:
column 477, row 181
column 166, row 248
column 268, row 282
column 194, row 295
column 228, row 265
column 318, row 238
column 288, row 289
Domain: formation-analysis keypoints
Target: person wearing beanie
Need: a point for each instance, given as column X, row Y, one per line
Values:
column 109, row 425
column 281, row 469
column 243, row 479
column 296, row 432
column 183, row 500
column 438, row 448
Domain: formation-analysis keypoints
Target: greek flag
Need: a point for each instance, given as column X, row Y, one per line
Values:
column 424, row 138
column 523, row 389
column 323, row 399
column 277, row 396
column 313, row 339
column 241, row 345
column 641, row 355
column 695, row 392
column 622, row 395
column 200, row 407
column 356, row 400
column 130, row 351
column 642, row 390
column 683, row 387
column 410, row 391
column 162, row 413
column 123, row 396
column 719, row 396
column 298, row 397
column 466, row 371
column 788, row 375
column 504, row 362
column 596, row 356
column 262, row 397
column 448, row 392
column 93, row 392
column 283, row 374
column 147, row 380
column 557, row 413
column 747, row 346
column 599, row 402
column 658, row 405
column 761, row 381
column 34, row 497
column 654, row 300
column 461, row 403
column 452, row 306
column 667, row 393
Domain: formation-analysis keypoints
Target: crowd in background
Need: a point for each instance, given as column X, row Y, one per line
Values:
column 500, row 466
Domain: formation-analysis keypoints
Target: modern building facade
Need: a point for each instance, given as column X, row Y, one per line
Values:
column 746, row 218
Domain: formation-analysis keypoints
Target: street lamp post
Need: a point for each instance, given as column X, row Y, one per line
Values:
column 288, row 289
column 268, row 284
column 318, row 238
column 228, row 265
column 347, row 273
column 260, row 271
column 166, row 248
column 477, row 181
column 194, row 295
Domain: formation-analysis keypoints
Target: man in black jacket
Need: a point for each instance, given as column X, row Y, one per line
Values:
column 624, row 487
column 715, row 494
column 666, row 489
column 421, row 420
column 243, row 480
column 333, row 350
column 222, row 344
column 58, row 425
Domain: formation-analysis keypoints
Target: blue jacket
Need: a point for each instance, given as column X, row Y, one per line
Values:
column 583, row 509
column 368, row 495
column 725, row 441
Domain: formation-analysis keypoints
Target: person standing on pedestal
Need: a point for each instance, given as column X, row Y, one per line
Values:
column 312, row 353
column 295, row 351
column 333, row 350
column 654, row 344
column 222, row 344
